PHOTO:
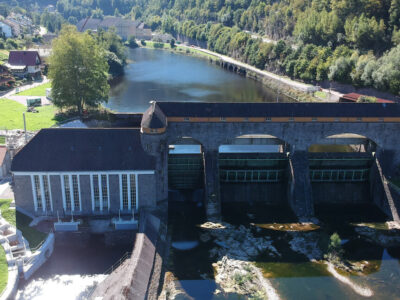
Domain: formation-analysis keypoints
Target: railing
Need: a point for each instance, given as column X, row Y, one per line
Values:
column 31, row 258
column 109, row 271
column 251, row 175
column 339, row 175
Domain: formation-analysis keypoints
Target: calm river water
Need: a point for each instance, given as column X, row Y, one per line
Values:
column 165, row 76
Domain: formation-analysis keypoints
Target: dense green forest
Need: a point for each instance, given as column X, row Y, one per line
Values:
column 350, row 41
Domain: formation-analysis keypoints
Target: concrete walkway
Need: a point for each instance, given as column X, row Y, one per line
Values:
column 284, row 80
column 24, row 88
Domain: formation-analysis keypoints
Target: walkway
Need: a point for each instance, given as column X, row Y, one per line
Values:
column 282, row 80
column 24, row 87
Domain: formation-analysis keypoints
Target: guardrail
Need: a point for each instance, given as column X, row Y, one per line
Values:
column 110, row 270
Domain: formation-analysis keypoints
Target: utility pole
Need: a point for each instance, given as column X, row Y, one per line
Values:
column 26, row 138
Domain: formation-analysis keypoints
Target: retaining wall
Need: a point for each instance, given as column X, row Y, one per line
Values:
column 131, row 279
column 39, row 257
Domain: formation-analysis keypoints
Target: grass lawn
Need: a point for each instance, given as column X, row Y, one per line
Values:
column 4, row 55
column 11, row 116
column 3, row 270
column 179, row 49
column 22, row 221
column 321, row 95
column 36, row 91
column 2, row 140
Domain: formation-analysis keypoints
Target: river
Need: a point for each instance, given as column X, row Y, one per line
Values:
column 161, row 75
column 291, row 274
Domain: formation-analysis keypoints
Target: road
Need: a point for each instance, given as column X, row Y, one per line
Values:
column 282, row 80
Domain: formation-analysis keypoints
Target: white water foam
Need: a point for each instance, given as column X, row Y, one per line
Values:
column 60, row 287
column 363, row 291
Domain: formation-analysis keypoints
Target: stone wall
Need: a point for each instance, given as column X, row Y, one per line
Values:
column 23, row 193
column 131, row 279
column 147, row 190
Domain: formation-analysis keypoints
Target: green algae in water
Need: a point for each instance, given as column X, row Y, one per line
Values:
column 289, row 226
column 292, row 269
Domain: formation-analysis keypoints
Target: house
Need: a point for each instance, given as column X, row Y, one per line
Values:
column 5, row 77
column 24, row 63
column 5, row 161
column 6, row 29
column 84, row 172
column 16, row 29
column 124, row 28
column 353, row 97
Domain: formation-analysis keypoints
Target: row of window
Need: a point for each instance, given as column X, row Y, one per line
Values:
column 71, row 192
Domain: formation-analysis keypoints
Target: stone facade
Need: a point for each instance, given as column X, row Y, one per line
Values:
column 24, row 197
column 23, row 193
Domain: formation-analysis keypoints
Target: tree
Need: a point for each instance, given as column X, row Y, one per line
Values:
column 78, row 70
column 131, row 43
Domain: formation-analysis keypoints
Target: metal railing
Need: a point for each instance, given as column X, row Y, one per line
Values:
column 109, row 271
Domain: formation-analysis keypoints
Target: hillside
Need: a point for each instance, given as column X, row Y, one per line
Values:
column 349, row 41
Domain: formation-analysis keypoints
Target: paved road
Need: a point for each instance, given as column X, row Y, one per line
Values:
column 284, row 80
column 25, row 87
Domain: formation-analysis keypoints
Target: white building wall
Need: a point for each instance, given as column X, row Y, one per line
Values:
column 6, row 29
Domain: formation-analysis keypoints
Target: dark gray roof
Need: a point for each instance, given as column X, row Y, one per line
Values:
column 153, row 117
column 224, row 109
column 73, row 149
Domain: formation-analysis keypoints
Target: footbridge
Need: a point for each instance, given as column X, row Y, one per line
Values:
column 321, row 151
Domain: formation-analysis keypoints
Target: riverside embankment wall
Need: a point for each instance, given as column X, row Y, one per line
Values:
column 132, row 280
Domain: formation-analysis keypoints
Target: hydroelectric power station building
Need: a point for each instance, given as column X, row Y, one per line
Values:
column 119, row 170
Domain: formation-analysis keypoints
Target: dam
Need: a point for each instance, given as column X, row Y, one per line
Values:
column 361, row 140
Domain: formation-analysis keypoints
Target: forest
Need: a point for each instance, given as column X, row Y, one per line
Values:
column 349, row 41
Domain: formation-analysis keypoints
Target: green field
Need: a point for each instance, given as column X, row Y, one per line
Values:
column 179, row 49
column 36, row 91
column 3, row 270
column 321, row 95
column 11, row 116
column 3, row 55
column 22, row 222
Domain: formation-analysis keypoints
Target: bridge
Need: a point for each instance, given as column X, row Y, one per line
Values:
column 300, row 170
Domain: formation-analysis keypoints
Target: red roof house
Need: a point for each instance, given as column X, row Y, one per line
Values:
column 353, row 97
column 22, row 63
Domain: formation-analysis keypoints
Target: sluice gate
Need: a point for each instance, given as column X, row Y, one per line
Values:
column 340, row 167
column 185, row 171
column 341, row 178
column 253, row 177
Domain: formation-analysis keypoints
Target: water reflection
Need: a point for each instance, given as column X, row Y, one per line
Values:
column 166, row 76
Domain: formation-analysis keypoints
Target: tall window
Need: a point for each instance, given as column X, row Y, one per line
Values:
column 128, row 191
column 46, row 189
column 67, row 192
column 38, row 192
column 75, row 190
column 71, row 194
column 125, row 196
column 104, row 191
column 132, row 178
column 41, row 192
column 96, row 192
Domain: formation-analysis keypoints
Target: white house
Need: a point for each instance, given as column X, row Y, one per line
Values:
column 6, row 29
